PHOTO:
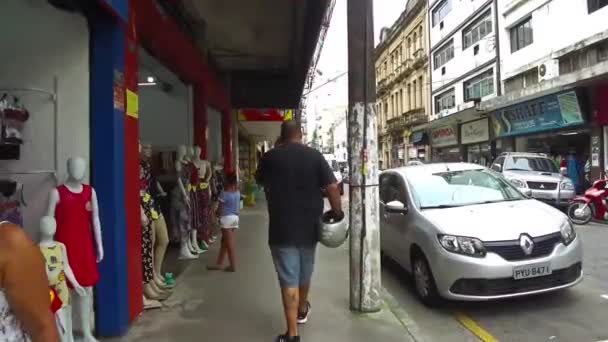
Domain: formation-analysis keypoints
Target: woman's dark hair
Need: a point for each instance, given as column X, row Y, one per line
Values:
column 231, row 178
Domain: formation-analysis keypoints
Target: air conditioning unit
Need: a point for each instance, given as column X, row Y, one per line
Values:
column 548, row 70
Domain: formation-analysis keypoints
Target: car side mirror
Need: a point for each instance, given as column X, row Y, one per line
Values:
column 396, row 207
column 497, row 167
column 563, row 171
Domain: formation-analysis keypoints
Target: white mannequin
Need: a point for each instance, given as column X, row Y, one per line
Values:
column 180, row 197
column 193, row 233
column 48, row 227
column 76, row 172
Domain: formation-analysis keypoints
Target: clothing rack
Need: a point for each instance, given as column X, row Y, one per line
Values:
column 53, row 96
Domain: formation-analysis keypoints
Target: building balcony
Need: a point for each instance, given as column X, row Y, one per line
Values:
column 420, row 57
column 407, row 119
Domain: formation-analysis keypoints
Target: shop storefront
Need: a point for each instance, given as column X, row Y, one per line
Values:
column 475, row 139
column 417, row 149
column 554, row 125
column 444, row 144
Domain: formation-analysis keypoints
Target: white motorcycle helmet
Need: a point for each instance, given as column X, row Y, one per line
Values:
column 333, row 233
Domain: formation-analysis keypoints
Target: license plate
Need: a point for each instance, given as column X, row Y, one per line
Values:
column 542, row 195
column 531, row 271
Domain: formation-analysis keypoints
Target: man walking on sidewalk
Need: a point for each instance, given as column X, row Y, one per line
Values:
column 294, row 175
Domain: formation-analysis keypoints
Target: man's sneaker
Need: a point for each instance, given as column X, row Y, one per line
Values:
column 303, row 316
column 285, row 338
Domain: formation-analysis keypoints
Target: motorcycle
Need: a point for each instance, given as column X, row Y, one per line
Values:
column 592, row 204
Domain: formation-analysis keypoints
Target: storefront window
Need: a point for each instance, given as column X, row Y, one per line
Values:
column 447, row 154
column 479, row 154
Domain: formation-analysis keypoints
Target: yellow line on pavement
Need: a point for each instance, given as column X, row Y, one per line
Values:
column 475, row 328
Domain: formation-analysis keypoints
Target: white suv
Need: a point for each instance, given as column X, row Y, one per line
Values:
column 536, row 175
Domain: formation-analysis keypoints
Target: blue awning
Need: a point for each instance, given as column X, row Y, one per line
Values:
column 419, row 138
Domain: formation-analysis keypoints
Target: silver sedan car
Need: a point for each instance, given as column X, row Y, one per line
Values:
column 465, row 233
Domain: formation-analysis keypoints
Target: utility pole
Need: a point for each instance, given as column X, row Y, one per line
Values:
column 365, row 294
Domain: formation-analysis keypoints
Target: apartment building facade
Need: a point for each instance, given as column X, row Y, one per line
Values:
column 402, row 88
column 554, row 69
column 465, row 71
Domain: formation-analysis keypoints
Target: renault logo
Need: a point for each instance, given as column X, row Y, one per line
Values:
column 526, row 243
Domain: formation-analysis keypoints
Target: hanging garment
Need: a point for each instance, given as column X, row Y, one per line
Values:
column 11, row 200
column 74, row 215
column 11, row 330
column 147, row 203
column 55, row 266
column 204, row 202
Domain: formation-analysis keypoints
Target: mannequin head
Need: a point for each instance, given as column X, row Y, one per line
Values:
column 76, row 168
column 48, row 227
column 146, row 151
column 191, row 153
column 197, row 152
column 181, row 152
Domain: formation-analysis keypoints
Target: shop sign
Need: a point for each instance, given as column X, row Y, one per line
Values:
column 267, row 114
column 412, row 152
column 546, row 113
column 444, row 136
column 474, row 132
column 595, row 151
column 132, row 104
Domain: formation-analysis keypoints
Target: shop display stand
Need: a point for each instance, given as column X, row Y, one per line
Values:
column 54, row 99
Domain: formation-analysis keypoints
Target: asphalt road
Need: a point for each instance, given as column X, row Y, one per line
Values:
column 578, row 314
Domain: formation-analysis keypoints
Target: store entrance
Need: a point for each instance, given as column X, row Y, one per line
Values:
column 569, row 149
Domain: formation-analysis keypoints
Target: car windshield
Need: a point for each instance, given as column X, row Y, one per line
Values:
column 460, row 188
column 528, row 163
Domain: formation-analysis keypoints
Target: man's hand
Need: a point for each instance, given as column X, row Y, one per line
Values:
column 335, row 200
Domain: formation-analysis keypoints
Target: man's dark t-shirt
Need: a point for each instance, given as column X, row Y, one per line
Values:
column 293, row 175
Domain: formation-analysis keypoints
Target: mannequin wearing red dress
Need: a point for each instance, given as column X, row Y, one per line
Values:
column 74, row 207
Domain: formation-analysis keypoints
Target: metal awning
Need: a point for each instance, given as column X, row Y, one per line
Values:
column 264, row 46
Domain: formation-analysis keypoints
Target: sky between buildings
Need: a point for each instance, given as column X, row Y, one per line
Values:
column 334, row 57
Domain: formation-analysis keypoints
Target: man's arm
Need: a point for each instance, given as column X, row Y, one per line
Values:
column 330, row 184
column 26, row 285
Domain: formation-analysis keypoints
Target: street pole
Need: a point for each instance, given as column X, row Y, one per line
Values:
column 365, row 287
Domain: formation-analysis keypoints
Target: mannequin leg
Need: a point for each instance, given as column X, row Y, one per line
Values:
column 84, row 305
column 65, row 315
column 162, row 241
column 160, row 283
column 194, row 240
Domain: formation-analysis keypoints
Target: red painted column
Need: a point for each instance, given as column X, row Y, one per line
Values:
column 200, row 119
column 134, row 262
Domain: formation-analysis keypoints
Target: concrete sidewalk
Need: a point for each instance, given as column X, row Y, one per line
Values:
column 246, row 306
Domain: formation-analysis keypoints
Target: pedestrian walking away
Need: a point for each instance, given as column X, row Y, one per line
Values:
column 228, row 212
column 294, row 176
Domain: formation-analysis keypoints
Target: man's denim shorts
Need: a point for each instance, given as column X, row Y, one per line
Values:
column 294, row 265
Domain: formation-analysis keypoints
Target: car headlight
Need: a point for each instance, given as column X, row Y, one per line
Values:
column 568, row 233
column 518, row 183
column 567, row 185
column 462, row 245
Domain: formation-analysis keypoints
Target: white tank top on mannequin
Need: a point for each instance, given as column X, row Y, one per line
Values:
column 10, row 328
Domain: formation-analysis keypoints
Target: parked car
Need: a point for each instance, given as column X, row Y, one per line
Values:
column 536, row 175
column 465, row 233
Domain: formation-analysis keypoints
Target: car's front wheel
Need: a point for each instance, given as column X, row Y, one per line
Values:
column 424, row 282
